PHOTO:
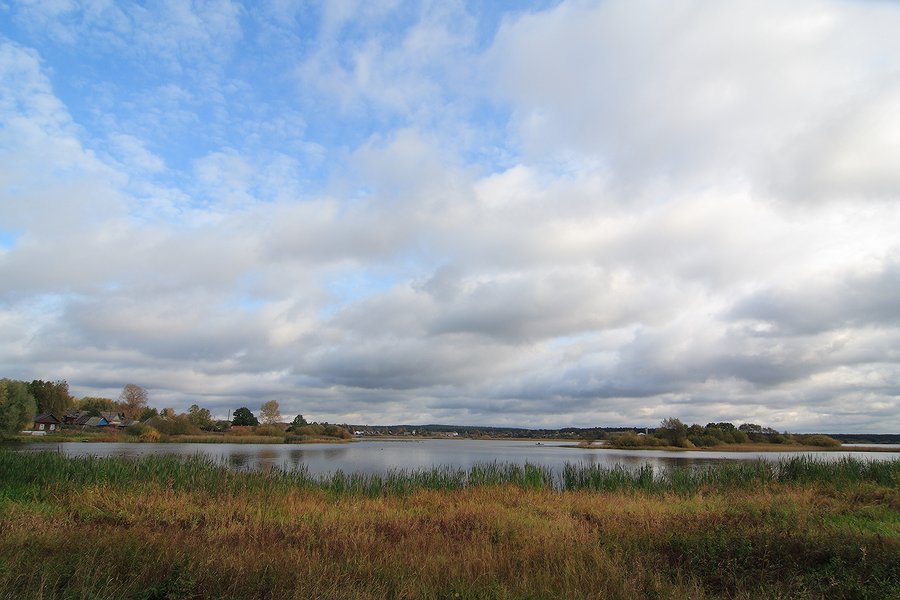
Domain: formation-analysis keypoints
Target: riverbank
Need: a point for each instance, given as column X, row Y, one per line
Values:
column 164, row 528
column 749, row 447
column 205, row 438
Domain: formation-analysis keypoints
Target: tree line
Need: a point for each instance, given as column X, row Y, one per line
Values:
column 673, row 432
column 21, row 402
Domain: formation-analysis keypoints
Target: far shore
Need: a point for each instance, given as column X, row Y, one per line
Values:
column 747, row 448
column 210, row 438
column 218, row 438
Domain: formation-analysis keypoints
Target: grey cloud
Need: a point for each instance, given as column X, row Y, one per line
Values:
column 855, row 299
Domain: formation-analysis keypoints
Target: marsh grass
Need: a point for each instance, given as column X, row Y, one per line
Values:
column 168, row 527
column 50, row 470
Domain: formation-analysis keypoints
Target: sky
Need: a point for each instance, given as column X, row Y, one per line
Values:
column 536, row 214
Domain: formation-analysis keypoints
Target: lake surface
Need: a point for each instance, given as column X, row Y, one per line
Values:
column 379, row 456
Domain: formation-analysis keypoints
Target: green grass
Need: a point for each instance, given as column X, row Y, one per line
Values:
column 42, row 471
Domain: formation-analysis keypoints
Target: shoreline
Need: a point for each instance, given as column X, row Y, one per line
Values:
column 738, row 448
column 548, row 442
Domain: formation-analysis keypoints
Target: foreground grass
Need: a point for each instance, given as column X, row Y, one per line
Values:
column 159, row 527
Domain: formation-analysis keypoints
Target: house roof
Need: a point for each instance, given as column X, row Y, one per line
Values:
column 46, row 418
column 96, row 422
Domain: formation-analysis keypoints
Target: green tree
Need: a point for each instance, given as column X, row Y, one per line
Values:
column 270, row 412
column 95, row 406
column 673, row 431
column 148, row 413
column 52, row 397
column 298, row 421
column 17, row 406
column 243, row 416
column 132, row 401
column 201, row 417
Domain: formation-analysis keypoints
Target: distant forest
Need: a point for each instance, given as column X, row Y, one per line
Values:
column 571, row 433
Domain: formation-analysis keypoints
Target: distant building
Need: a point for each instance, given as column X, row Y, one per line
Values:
column 45, row 422
column 96, row 422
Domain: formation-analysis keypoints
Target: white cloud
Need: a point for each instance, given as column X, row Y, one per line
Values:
column 675, row 229
column 693, row 89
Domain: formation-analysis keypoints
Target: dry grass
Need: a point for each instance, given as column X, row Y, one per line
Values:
column 176, row 538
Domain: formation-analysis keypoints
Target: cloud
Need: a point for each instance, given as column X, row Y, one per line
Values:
column 388, row 213
column 734, row 89
column 841, row 301
column 166, row 30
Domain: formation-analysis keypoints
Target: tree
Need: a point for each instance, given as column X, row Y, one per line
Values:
column 200, row 417
column 148, row 413
column 51, row 397
column 270, row 412
column 243, row 416
column 298, row 421
column 132, row 401
column 95, row 406
column 17, row 406
column 673, row 431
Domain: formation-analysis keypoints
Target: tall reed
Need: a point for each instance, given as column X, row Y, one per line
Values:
column 38, row 473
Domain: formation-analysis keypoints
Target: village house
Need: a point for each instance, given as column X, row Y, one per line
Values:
column 84, row 418
column 45, row 422
column 96, row 422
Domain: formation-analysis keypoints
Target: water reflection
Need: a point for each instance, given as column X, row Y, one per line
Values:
column 239, row 460
column 295, row 458
column 336, row 453
column 379, row 456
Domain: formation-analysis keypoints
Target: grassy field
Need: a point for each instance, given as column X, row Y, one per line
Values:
column 159, row 527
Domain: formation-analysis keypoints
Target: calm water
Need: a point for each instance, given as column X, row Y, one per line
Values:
column 377, row 456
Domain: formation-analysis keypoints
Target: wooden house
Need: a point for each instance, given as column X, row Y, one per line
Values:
column 45, row 422
column 96, row 422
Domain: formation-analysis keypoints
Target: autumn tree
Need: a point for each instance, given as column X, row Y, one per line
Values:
column 132, row 401
column 270, row 412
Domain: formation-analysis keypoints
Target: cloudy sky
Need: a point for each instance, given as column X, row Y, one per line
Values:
column 520, row 213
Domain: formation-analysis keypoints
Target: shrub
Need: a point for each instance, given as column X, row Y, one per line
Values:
column 818, row 440
column 150, row 434
column 270, row 430
column 137, row 429
column 179, row 425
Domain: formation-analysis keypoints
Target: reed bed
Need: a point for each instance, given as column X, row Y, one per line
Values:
column 166, row 527
column 51, row 470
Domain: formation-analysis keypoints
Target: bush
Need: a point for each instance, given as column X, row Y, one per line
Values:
column 337, row 432
column 137, row 430
column 822, row 441
column 270, row 430
column 149, row 435
column 630, row 439
column 180, row 425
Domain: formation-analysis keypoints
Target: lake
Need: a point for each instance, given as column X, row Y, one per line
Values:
column 381, row 455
